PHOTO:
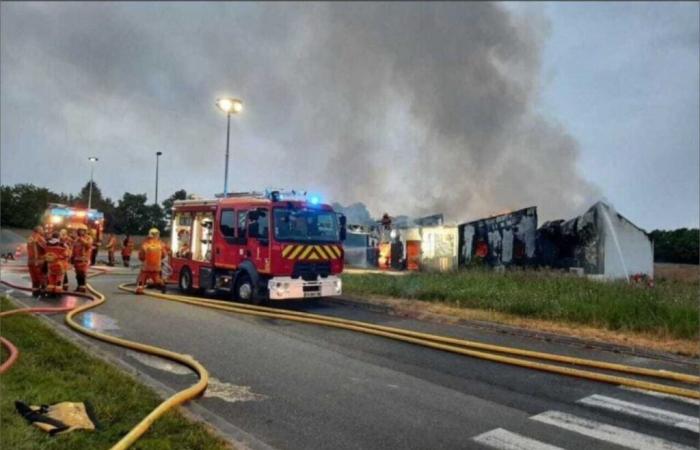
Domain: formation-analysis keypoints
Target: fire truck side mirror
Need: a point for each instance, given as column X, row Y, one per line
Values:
column 343, row 222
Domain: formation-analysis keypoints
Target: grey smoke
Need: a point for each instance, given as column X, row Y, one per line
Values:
column 411, row 108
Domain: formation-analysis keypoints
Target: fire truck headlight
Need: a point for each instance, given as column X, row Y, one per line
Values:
column 338, row 285
column 56, row 219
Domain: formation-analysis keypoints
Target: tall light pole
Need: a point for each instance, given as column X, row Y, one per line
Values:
column 157, row 159
column 93, row 160
column 228, row 105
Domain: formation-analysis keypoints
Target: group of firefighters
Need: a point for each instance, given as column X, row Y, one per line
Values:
column 50, row 255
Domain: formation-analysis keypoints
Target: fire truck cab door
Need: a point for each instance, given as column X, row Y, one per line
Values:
column 258, row 242
column 230, row 242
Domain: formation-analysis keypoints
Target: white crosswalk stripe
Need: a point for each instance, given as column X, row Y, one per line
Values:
column 645, row 412
column 506, row 440
column 616, row 435
column 691, row 401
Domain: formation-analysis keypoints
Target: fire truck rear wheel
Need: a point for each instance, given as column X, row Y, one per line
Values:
column 185, row 283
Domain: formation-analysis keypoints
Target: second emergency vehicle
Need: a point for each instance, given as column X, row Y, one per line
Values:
column 257, row 246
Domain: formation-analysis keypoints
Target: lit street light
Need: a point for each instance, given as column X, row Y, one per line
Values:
column 92, row 159
column 228, row 105
column 157, row 160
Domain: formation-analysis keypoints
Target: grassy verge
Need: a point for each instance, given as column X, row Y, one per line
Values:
column 50, row 370
column 669, row 309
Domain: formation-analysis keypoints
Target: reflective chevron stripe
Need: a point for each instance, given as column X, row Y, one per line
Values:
column 321, row 252
column 287, row 250
column 312, row 252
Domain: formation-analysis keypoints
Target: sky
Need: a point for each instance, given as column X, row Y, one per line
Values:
column 411, row 108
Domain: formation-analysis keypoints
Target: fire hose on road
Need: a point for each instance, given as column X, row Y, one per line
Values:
column 176, row 399
column 474, row 349
column 500, row 354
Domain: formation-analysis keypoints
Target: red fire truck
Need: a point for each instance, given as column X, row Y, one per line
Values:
column 58, row 216
column 256, row 246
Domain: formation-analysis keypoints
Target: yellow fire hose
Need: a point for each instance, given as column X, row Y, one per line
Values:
column 176, row 399
column 461, row 346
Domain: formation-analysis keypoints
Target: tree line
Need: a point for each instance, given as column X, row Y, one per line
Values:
column 23, row 206
column 677, row 246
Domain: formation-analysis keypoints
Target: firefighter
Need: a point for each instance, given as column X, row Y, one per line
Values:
column 111, row 246
column 80, row 257
column 127, row 248
column 67, row 241
column 36, row 251
column 152, row 254
column 56, row 255
column 94, row 246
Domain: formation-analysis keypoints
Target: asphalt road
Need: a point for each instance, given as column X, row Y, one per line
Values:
column 295, row 386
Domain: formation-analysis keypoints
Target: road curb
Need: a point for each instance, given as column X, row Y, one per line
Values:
column 524, row 332
column 239, row 438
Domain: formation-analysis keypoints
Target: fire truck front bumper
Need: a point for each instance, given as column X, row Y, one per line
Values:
column 282, row 288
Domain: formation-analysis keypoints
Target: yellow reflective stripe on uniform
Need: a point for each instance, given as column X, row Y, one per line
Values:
column 286, row 250
column 321, row 253
column 293, row 254
column 306, row 252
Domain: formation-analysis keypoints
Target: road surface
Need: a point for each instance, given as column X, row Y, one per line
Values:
column 288, row 385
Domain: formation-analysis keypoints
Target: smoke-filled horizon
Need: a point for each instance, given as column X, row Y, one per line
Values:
column 411, row 108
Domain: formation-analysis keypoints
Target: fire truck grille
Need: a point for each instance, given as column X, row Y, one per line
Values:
column 309, row 271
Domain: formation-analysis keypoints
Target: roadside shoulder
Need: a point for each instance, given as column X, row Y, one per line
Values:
column 641, row 345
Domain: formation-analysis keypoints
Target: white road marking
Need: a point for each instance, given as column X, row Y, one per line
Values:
column 506, row 440
column 645, row 412
column 159, row 363
column 691, row 401
column 216, row 388
column 609, row 433
column 231, row 392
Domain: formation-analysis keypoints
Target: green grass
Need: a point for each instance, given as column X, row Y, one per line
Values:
column 670, row 308
column 50, row 370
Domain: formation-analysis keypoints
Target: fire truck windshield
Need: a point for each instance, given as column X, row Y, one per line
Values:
column 303, row 225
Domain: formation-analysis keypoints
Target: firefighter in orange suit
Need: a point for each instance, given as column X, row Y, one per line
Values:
column 152, row 254
column 56, row 256
column 111, row 246
column 127, row 248
column 36, row 251
column 82, row 250
column 67, row 241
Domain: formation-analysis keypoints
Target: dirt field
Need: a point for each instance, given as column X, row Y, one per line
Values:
column 677, row 272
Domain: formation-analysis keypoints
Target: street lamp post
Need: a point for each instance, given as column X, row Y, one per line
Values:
column 228, row 105
column 92, row 159
column 157, row 160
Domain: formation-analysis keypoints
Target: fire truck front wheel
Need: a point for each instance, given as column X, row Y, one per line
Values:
column 185, row 283
column 245, row 290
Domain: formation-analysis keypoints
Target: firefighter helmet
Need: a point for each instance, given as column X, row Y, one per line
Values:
column 153, row 232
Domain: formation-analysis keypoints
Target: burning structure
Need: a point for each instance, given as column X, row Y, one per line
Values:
column 502, row 240
column 601, row 242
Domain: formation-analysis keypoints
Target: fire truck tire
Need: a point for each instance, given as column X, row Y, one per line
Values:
column 245, row 290
column 185, row 282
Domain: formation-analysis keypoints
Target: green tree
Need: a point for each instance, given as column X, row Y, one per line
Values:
column 23, row 205
column 677, row 246
column 133, row 216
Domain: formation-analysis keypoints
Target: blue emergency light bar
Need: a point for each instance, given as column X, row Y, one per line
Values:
column 92, row 214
